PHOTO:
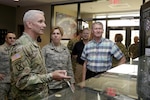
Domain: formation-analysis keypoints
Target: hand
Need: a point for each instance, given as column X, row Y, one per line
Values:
column 60, row 74
column 2, row 77
column 82, row 84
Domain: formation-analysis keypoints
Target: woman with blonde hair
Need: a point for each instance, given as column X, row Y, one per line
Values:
column 57, row 57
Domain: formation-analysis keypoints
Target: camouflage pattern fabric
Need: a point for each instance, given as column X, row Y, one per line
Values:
column 4, row 69
column 58, row 58
column 28, row 71
column 134, row 49
column 124, row 51
column 4, row 91
column 70, row 46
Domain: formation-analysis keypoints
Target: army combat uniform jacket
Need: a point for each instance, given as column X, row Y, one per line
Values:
column 28, row 72
column 5, row 70
column 124, row 51
column 58, row 58
column 5, row 62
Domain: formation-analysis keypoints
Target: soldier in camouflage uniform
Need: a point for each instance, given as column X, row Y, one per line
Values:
column 57, row 56
column 5, row 66
column 29, row 76
column 72, row 42
column 118, row 40
column 134, row 48
column 70, row 46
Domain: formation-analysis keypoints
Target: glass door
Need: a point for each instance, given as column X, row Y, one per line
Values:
column 127, row 32
column 133, row 34
column 114, row 32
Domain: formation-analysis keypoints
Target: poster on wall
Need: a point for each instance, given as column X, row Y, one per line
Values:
column 68, row 24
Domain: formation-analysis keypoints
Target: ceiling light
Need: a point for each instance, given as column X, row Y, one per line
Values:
column 122, row 5
column 16, row 0
column 102, row 0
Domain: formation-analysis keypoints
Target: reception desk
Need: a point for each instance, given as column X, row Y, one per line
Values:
column 119, row 83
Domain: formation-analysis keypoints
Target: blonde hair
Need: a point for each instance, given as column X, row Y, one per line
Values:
column 59, row 28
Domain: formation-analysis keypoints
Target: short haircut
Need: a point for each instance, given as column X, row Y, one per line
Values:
column 97, row 23
column 118, row 37
column 9, row 33
column 85, row 29
column 59, row 28
column 30, row 15
column 136, row 39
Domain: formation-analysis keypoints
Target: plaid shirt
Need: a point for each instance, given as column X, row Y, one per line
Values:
column 99, row 55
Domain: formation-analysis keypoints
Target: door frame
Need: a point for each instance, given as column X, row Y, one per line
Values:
column 127, row 29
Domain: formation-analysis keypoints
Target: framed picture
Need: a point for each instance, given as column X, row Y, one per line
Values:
column 65, row 42
column 68, row 23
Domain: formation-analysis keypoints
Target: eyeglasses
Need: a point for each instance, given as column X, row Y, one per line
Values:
column 12, row 38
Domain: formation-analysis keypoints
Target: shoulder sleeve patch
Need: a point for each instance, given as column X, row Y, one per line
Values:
column 15, row 57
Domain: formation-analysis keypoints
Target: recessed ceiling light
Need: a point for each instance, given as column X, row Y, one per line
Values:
column 122, row 5
column 16, row 0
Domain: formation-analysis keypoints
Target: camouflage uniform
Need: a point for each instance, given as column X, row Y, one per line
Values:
column 124, row 51
column 70, row 46
column 134, row 49
column 28, row 71
column 4, row 69
column 58, row 58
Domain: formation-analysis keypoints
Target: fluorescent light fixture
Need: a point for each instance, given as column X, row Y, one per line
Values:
column 121, row 5
column 16, row 0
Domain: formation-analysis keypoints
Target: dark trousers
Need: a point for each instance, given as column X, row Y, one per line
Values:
column 90, row 74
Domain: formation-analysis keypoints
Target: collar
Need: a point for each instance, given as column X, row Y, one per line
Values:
column 101, row 40
column 30, row 39
column 57, row 48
